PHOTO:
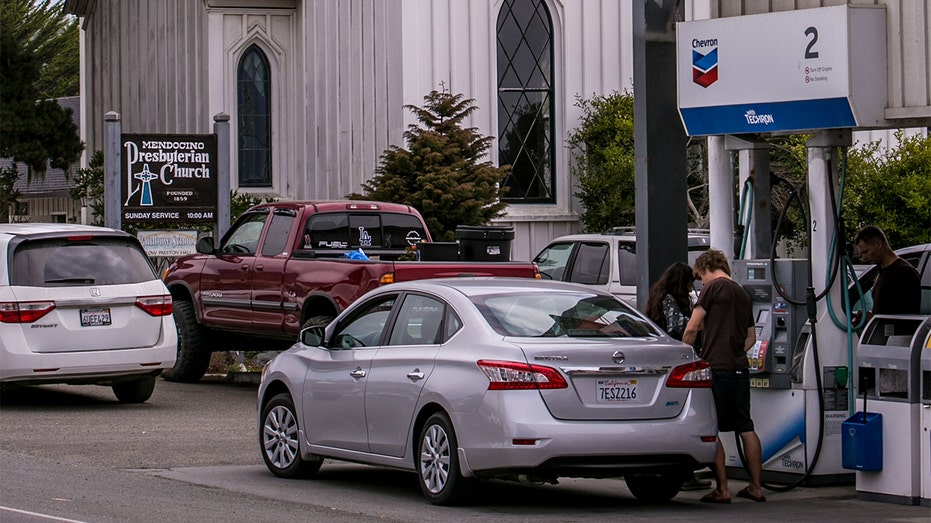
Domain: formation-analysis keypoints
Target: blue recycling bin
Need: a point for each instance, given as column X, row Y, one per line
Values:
column 862, row 442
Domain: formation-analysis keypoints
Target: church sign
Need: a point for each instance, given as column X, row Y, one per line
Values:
column 168, row 178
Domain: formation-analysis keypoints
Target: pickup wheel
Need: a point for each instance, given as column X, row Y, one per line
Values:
column 193, row 353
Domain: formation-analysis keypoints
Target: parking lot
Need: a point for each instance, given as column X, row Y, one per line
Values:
column 191, row 453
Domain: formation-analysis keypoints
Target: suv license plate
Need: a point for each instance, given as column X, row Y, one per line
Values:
column 95, row 317
column 616, row 391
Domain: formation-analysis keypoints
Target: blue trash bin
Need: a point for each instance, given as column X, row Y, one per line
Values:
column 862, row 442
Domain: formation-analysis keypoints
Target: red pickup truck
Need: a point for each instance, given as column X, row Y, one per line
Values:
column 286, row 265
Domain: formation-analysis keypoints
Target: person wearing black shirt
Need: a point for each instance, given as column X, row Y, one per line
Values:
column 897, row 289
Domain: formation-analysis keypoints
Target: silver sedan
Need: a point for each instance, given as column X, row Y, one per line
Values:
column 467, row 379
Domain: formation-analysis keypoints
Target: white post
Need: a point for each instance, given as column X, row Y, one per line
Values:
column 221, row 127
column 112, row 210
column 720, row 196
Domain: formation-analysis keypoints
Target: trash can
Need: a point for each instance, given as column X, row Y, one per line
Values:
column 888, row 376
column 862, row 441
column 925, row 416
column 488, row 243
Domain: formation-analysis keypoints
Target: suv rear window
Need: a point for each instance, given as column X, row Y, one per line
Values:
column 59, row 262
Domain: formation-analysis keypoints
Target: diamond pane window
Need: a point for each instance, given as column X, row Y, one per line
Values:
column 525, row 100
column 254, row 119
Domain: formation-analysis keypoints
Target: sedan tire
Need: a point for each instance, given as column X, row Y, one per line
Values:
column 655, row 488
column 438, row 463
column 279, row 440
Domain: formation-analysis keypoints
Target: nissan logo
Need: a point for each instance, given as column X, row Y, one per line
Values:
column 618, row 357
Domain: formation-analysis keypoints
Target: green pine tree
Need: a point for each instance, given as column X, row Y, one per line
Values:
column 34, row 129
column 442, row 173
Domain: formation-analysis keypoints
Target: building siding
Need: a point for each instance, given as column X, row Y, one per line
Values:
column 343, row 70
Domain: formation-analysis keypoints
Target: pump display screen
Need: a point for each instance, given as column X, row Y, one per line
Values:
column 756, row 273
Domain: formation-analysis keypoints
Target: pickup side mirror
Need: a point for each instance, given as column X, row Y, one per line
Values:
column 312, row 336
column 205, row 245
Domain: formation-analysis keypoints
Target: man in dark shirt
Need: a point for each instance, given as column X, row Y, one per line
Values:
column 724, row 315
column 897, row 289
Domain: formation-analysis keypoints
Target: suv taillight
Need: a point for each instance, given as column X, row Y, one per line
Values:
column 511, row 375
column 155, row 305
column 695, row 375
column 24, row 311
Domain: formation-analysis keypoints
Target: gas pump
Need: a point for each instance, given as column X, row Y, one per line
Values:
column 800, row 395
column 778, row 322
column 800, row 392
column 785, row 403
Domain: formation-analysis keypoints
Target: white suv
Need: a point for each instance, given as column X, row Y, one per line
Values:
column 82, row 305
column 606, row 261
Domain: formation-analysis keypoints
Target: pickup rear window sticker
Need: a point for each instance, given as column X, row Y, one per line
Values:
column 365, row 239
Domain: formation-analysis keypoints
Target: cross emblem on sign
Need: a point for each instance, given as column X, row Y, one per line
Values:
column 145, row 177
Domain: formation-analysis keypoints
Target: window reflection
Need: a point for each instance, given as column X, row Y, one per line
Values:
column 254, row 119
column 525, row 93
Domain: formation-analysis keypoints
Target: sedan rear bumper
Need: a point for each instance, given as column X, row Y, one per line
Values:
column 514, row 433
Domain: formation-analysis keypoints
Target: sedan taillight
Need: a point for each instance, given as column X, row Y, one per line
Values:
column 24, row 311
column 511, row 375
column 155, row 305
column 695, row 375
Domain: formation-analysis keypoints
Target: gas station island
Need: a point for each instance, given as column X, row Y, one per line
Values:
column 822, row 72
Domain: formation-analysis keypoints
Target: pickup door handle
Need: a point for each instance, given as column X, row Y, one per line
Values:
column 415, row 375
column 259, row 267
column 358, row 373
column 244, row 268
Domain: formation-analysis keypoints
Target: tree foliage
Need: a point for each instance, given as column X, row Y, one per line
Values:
column 890, row 188
column 88, row 188
column 9, row 196
column 52, row 37
column 788, row 164
column 38, row 41
column 602, row 149
column 442, row 173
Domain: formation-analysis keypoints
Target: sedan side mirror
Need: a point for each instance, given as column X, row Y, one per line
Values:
column 313, row 336
column 205, row 245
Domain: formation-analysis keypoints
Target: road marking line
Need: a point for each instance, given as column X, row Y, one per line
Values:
column 37, row 514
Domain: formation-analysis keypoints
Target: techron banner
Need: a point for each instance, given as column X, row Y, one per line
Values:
column 168, row 177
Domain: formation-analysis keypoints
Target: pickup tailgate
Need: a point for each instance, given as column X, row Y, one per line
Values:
column 422, row 270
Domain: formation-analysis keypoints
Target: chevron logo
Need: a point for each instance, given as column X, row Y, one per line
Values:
column 705, row 67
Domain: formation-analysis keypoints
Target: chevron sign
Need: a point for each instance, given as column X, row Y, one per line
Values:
column 705, row 67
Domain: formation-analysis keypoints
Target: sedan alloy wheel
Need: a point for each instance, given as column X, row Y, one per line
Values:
column 438, row 463
column 279, row 439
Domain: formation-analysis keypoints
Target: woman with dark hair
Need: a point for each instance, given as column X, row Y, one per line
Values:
column 670, row 306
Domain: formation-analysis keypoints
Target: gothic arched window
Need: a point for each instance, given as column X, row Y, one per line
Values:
column 526, row 127
column 254, row 114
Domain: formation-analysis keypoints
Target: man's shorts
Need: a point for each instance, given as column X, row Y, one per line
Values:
column 731, row 390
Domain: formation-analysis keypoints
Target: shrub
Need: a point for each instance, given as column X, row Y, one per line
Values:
column 442, row 173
